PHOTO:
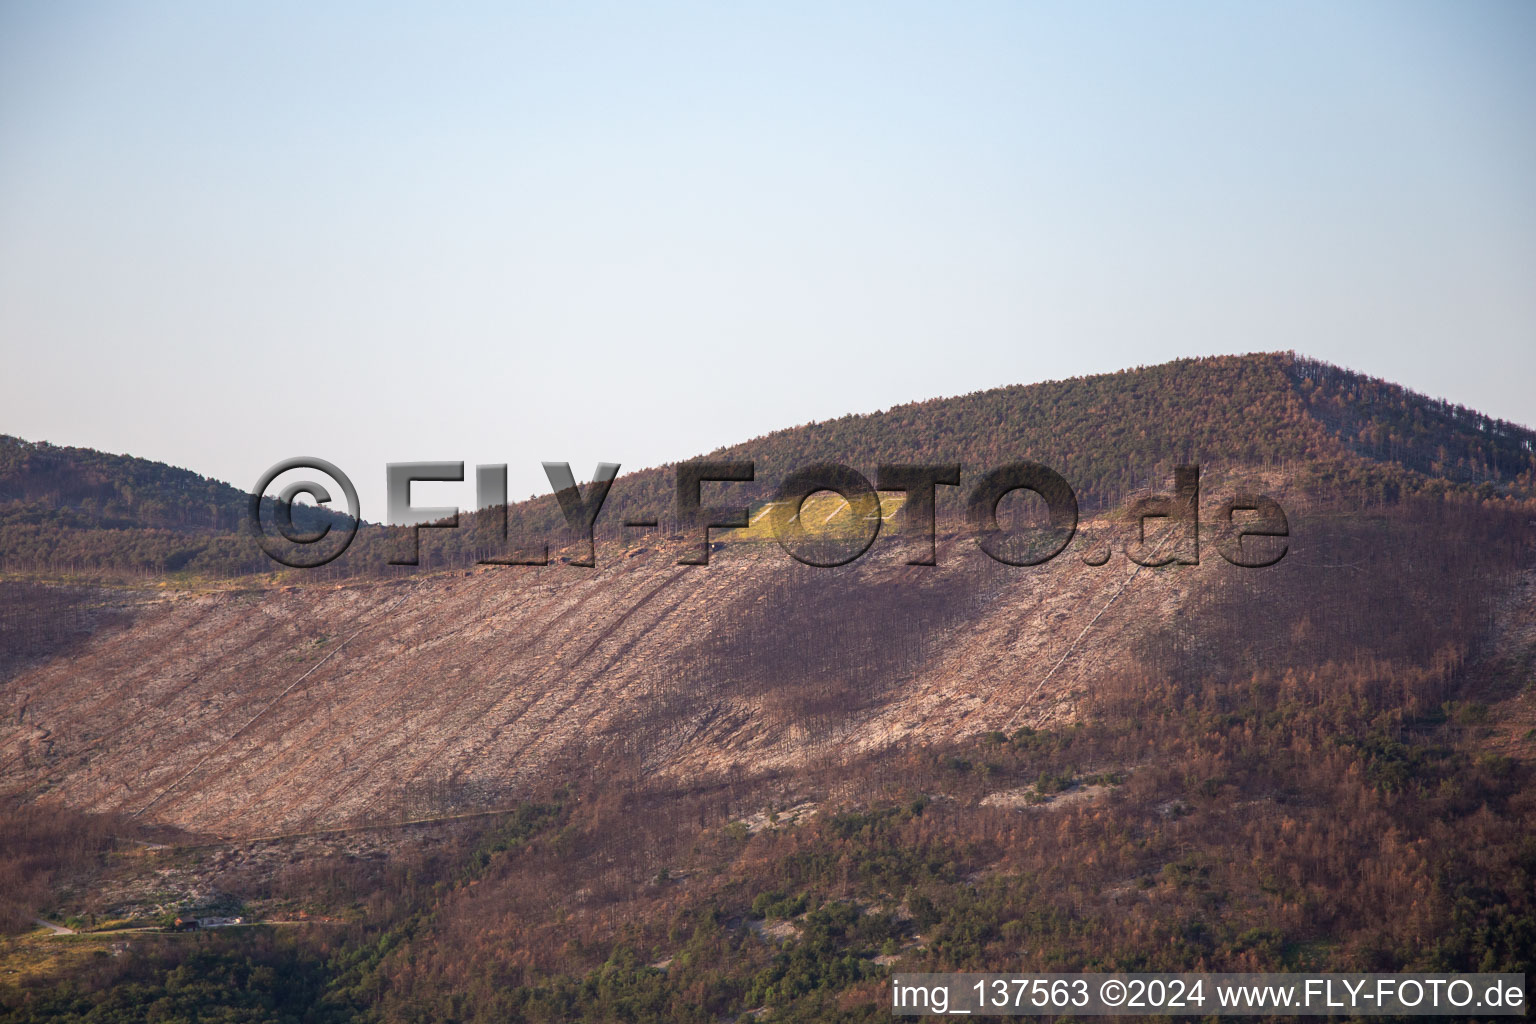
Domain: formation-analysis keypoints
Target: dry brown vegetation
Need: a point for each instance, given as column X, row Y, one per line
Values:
column 1324, row 764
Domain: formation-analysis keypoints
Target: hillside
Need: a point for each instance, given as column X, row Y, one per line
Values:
column 184, row 708
column 1353, row 437
column 1329, row 430
column 92, row 489
column 706, row 791
column 78, row 511
column 491, row 676
column 1112, row 434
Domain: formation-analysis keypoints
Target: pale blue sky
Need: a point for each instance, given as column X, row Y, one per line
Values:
column 230, row 233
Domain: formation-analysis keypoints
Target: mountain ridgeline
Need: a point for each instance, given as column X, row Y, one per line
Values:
column 80, row 511
column 1338, row 434
column 655, row 793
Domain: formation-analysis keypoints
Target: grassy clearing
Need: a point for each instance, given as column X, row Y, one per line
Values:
column 823, row 513
column 41, row 954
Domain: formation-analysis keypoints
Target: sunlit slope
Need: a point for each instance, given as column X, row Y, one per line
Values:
column 475, row 686
column 246, row 712
column 358, row 696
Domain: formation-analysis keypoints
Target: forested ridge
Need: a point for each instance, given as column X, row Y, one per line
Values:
column 1343, row 434
column 1112, row 434
column 73, row 511
column 89, row 488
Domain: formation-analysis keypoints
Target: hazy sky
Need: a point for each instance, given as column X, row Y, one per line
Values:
column 230, row 233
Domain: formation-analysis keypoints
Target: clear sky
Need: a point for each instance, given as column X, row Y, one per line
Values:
column 234, row 232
